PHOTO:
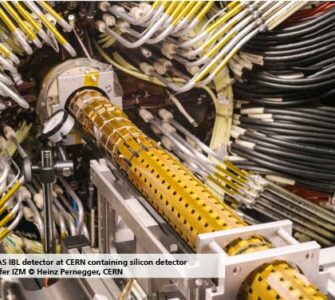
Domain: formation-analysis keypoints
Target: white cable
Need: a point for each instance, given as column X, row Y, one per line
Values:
column 3, row 176
column 67, row 217
column 16, row 221
column 14, row 96
column 79, row 204
column 144, row 38
column 5, row 79
column 182, row 110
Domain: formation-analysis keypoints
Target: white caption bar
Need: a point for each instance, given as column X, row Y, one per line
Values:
column 111, row 265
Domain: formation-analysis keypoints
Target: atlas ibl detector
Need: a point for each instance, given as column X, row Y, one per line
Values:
column 164, row 136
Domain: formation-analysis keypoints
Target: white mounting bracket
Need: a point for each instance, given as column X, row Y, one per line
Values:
column 237, row 268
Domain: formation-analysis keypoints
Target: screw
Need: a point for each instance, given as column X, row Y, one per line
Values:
column 309, row 256
column 236, row 270
column 198, row 282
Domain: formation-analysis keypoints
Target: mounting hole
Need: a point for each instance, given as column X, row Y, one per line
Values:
column 309, row 256
column 237, row 270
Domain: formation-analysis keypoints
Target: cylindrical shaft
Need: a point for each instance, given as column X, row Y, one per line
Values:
column 47, row 164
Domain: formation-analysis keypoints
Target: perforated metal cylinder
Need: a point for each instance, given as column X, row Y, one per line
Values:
column 168, row 185
column 180, row 198
column 278, row 280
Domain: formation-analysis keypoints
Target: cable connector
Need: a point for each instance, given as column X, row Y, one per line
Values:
column 101, row 26
column 166, row 142
column 168, row 49
column 145, row 115
column 17, row 78
column 155, row 130
column 3, row 144
column 168, row 128
column 162, row 65
column 58, row 189
column 252, row 110
column 192, row 69
column 103, row 5
column 146, row 69
column 123, row 26
column 246, row 144
column 139, row 11
column 28, row 214
column 108, row 19
column 24, row 193
column 165, row 115
column 9, row 133
column 38, row 199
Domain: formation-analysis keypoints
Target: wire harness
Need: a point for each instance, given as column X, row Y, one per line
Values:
column 197, row 35
column 25, row 26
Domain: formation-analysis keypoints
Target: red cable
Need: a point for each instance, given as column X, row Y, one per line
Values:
column 309, row 12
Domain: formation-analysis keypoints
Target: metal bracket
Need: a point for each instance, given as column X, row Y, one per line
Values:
column 119, row 203
column 117, row 195
column 224, row 237
column 237, row 268
column 71, row 75
column 102, row 80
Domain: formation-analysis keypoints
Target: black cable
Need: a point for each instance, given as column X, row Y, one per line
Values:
column 247, row 120
column 301, row 61
column 309, row 163
column 300, row 120
column 320, row 22
column 315, row 111
column 271, row 43
column 289, row 103
column 294, row 81
column 327, row 108
column 306, row 139
column 311, row 22
column 280, row 102
column 257, row 94
column 293, row 75
column 313, row 184
column 263, row 129
column 295, row 146
column 301, row 114
column 297, row 55
column 277, row 164
column 286, row 152
column 260, row 48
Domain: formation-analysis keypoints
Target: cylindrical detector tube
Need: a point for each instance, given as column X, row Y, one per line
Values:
column 168, row 185
column 180, row 198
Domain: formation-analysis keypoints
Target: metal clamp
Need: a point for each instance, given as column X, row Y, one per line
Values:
column 47, row 172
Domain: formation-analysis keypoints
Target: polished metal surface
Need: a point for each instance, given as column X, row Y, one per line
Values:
column 49, row 241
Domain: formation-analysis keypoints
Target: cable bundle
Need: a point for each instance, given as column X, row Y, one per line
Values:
column 23, row 26
column 243, row 190
column 312, row 11
column 290, row 66
column 295, row 143
column 198, row 35
column 282, row 127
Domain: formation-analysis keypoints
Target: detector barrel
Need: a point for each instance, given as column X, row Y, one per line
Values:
column 179, row 197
